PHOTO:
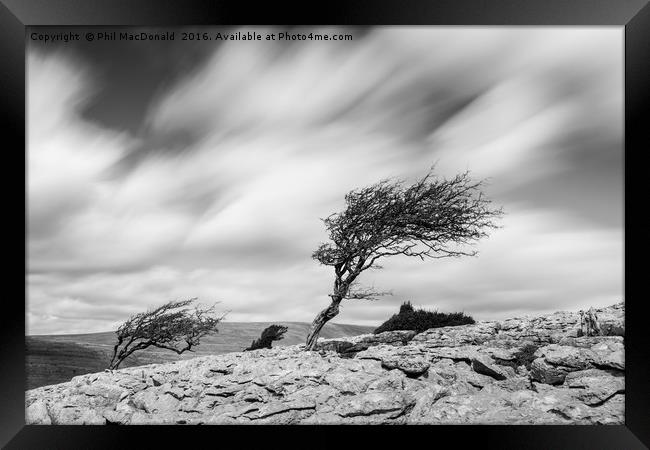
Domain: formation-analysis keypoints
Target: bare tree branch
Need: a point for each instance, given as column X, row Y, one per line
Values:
column 358, row 292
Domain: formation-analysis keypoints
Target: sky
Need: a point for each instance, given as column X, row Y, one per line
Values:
column 164, row 170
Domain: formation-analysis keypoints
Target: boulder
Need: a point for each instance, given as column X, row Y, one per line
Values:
column 413, row 367
column 457, row 376
column 360, row 343
column 555, row 361
column 458, row 353
column 457, row 336
column 544, row 372
column 612, row 320
column 337, row 346
column 384, row 404
column 38, row 414
column 409, row 359
column 595, row 386
column 485, row 365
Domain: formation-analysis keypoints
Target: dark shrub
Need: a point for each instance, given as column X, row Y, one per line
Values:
column 420, row 320
column 524, row 357
column 270, row 334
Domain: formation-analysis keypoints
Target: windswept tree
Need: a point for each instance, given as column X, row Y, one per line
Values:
column 171, row 326
column 432, row 218
column 270, row 334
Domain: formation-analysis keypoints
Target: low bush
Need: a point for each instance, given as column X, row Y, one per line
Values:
column 270, row 334
column 524, row 357
column 420, row 320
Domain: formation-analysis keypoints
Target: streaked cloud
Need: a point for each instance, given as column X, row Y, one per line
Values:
column 220, row 194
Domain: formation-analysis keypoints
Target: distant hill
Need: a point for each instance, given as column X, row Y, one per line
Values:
column 53, row 359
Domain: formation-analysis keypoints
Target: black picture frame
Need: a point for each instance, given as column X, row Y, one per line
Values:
column 15, row 15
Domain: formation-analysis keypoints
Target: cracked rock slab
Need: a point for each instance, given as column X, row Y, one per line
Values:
column 391, row 404
column 413, row 367
column 595, row 386
column 486, row 366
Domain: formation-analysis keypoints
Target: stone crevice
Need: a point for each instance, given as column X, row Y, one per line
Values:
column 607, row 399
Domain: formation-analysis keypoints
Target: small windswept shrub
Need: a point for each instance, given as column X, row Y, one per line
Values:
column 420, row 320
column 524, row 357
column 270, row 334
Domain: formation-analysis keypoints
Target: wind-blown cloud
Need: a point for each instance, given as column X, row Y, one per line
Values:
column 220, row 196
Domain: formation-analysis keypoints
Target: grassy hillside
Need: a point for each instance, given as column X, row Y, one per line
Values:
column 55, row 359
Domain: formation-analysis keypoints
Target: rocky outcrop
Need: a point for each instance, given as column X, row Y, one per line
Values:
column 556, row 361
column 518, row 371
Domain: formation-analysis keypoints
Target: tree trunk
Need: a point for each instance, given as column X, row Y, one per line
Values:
column 116, row 361
column 321, row 319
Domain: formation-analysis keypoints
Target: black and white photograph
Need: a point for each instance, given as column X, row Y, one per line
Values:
column 331, row 225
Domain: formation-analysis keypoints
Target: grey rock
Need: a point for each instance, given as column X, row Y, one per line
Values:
column 156, row 379
column 555, row 361
column 118, row 417
column 458, row 353
column 66, row 414
column 410, row 366
column 464, row 335
column 360, row 343
column 544, row 372
column 409, row 358
column 486, row 366
column 37, row 414
column 595, row 386
column 458, row 376
column 338, row 346
column 391, row 404
column 342, row 381
column 425, row 402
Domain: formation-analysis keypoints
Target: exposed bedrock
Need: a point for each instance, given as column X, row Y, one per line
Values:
column 522, row 370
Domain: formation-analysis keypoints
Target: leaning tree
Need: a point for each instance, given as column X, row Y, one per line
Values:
column 432, row 218
column 171, row 326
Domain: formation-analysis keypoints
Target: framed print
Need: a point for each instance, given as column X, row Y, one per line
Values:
column 374, row 216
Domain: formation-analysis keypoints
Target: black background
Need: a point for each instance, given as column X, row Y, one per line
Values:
column 16, row 14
